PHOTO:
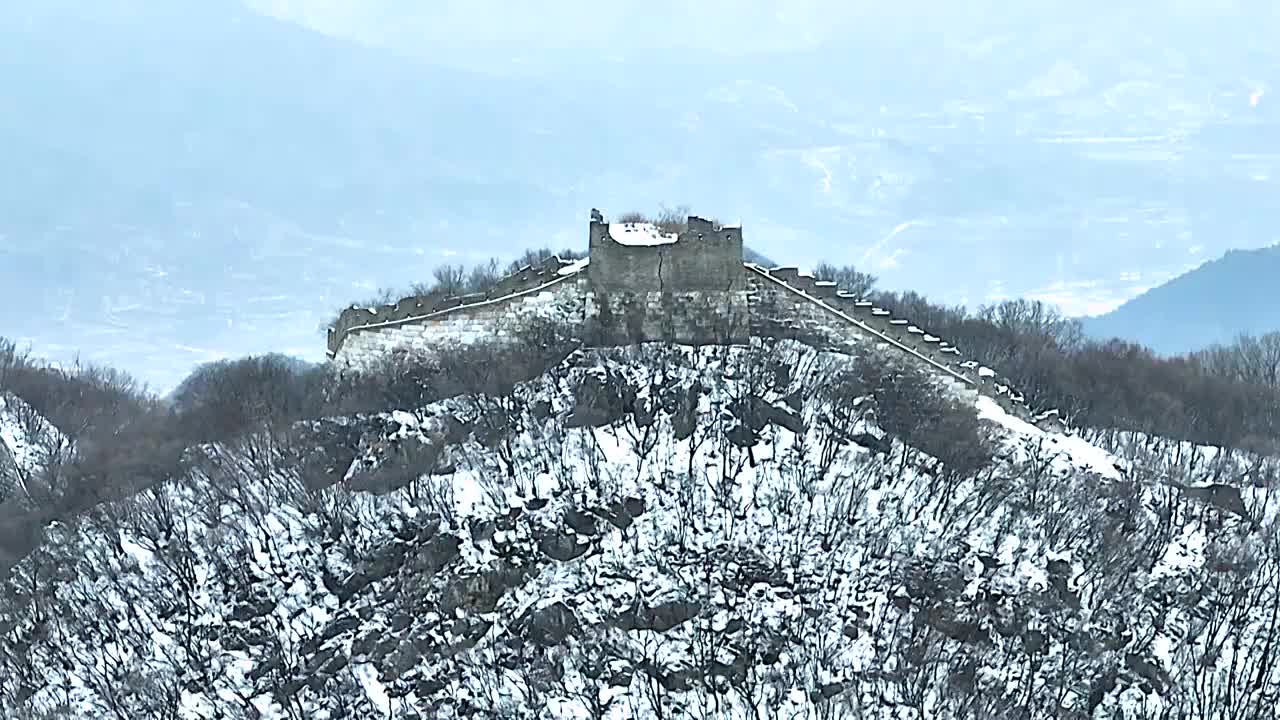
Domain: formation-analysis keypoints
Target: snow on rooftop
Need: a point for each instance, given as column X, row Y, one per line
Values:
column 640, row 234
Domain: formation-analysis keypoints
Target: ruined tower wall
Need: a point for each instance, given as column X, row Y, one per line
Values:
column 687, row 289
column 702, row 259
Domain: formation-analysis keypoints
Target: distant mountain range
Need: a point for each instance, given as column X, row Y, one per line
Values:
column 190, row 180
column 1237, row 293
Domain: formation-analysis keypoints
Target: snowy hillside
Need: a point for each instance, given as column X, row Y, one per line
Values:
column 26, row 439
column 14, row 446
column 660, row 532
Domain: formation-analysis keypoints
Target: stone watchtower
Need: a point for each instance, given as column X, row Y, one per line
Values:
column 687, row 287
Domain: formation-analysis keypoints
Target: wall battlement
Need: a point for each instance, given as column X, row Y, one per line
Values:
column 416, row 308
column 639, row 284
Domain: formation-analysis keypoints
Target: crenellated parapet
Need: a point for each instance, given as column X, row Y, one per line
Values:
column 416, row 308
column 905, row 336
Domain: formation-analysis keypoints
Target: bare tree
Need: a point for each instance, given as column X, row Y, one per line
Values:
column 847, row 278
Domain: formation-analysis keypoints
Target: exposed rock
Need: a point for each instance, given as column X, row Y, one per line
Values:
column 549, row 625
column 661, row 617
column 599, row 401
column 562, row 546
column 742, row 436
column 873, row 443
column 582, row 523
column 1147, row 670
column 1223, row 497
column 480, row 592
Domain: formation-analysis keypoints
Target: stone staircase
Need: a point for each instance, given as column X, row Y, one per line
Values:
column 965, row 376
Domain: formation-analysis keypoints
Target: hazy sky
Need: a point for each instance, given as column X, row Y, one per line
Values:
column 491, row 32
column 488, row 32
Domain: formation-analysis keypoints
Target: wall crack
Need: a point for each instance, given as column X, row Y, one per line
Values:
column 661, row 286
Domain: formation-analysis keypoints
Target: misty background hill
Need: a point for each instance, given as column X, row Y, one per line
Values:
column 1213, row 304
column 202, row 179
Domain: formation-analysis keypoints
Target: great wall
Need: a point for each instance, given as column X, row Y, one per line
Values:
column 638, row 284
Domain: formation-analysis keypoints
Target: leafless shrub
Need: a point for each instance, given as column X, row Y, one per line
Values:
column 451, row 280
column 633, row 217
column 669, row 220
column 223, row 399
column 847, row 278
column 78, row 399
column 11, row 360
column 908, row 406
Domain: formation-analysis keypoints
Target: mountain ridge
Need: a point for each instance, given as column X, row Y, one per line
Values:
column 1212, row 304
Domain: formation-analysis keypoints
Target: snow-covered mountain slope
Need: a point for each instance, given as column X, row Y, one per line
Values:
column 29, row 444
column 26, row 439
column 656, row 532
column 13, row 440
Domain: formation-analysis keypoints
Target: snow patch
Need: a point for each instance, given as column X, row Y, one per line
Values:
column 1183, row 554
column 1077, row 450
column 640, row 234
column 373, row 688
column 23, row 446
column 144, row 556
column 572, row 268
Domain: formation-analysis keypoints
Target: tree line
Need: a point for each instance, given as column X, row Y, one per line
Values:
column 454, row 279
column 1225, row 396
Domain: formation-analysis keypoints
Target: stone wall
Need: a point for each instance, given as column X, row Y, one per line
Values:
column 689, row 291
column 689, row 317
column 704, row 259
column 781, row 309
column 695, row 291
column 787, row 303
column 563, row 299
column 418, row 307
